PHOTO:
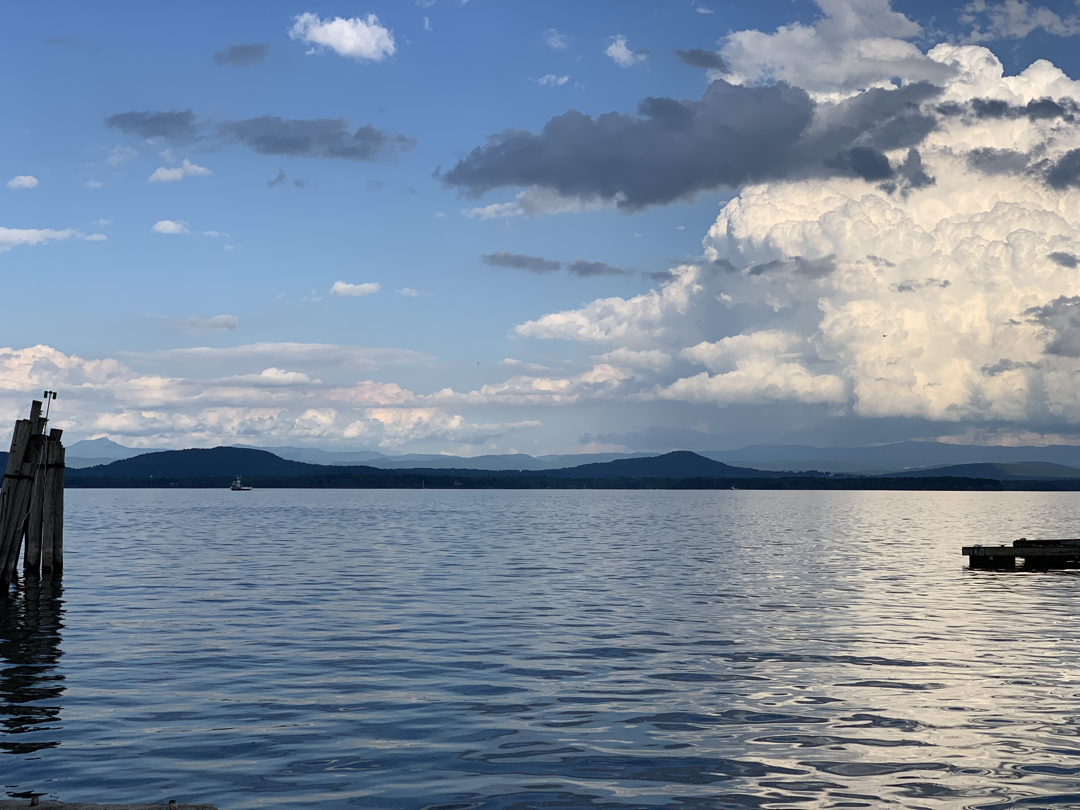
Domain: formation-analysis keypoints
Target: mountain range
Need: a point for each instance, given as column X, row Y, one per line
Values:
column 226, row 462
column 876, row 460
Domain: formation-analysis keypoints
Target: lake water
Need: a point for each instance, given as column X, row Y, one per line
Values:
column 490, row 649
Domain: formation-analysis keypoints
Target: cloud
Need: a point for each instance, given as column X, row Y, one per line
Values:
column 408, row 292
column 518, row 261
column 1064, row 259
column 170, row 226
column 1061, row 318
column 393, row 427
column 427, row 24
column 263, row 400
column 554, row 40
column 552, row 79
column 92, row 184
column 242, row 55
column 949, row 300
column 1014, row 19
column 369, row 393
column 120, row 155
column 602, row 381
column 22, row 181
column 674, row 150
column 319, row 137
column 533, row 202
column 12, row 237
column 636, row 322
column 96, row 237
column 267, row 135
column 620, row 52
column 306, row 355
column 356, row 38
column 342, row 289
column 101, row 223
column 214, row 323
column 587, row 269
column 757, row 367
column 179, row 126
column 855, row 46
column 176, row 173
column 699, row 58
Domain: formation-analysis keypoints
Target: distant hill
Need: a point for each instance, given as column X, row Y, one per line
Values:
column 897, row 456
column 105, row 449
column 679, row 464
column 1023, row 471
column 217, row 461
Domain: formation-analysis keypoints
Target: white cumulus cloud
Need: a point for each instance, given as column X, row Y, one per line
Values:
column 342, row 289
column 620, row 52
column 22, row 181
column 356, row 38
column 170, row 226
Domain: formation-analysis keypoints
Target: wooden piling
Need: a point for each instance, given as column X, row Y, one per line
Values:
column 34, row 523
column 20, row 507
column 52, row 534
column 20, row 438
column 32, row 501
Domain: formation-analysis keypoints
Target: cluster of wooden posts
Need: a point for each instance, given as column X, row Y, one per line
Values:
column 32, row 501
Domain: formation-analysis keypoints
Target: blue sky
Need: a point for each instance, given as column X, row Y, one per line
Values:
column 149, row 334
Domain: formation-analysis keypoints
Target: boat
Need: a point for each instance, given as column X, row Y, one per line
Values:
column 238, row 487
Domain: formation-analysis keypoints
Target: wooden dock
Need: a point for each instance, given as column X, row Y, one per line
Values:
column 1034, row 553
column 25, row 804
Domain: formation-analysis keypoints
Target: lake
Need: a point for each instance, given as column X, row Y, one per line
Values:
column 520, row 649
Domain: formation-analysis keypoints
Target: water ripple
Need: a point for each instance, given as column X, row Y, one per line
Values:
column 444, row 650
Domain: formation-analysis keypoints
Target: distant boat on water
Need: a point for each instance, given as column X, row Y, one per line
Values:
column 238, row 487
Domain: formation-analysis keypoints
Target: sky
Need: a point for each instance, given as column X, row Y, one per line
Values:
column 468, row 226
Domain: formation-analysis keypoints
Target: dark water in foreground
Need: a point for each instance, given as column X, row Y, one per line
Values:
column 442, row 649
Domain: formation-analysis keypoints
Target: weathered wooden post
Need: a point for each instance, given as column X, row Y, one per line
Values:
column 52, row 530
column 32, row 553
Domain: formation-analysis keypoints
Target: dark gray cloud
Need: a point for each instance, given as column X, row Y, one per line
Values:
column 700, row 58
column 911, row 285
column 659, row 276
column 1061, row 317
column 180, row 126
column 242, row 55
column 1066, row 172
column 317, row 137
column 519, row 261
column 796, row 265
column 587, row 269
column 1002, row 366
column 277, row 181
column 270, row 135
column 997, row 161
column 674, row 150
column 862, row 161
column 1037, row 110
column 1064, row 259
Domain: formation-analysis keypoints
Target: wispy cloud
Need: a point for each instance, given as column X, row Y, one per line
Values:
column 173, row 174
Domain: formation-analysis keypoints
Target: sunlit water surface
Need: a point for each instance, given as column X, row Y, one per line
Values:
column 453, row 649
